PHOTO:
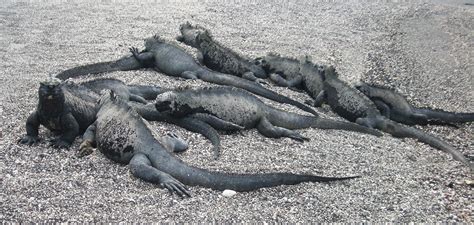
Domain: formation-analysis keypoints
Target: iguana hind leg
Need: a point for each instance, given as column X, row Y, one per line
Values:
column 189, row 75
column 269, row 130
column 142, row 168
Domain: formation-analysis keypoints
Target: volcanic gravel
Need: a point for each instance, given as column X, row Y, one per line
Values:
column 422, row 49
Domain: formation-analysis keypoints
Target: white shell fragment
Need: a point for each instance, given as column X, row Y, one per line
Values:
column 229, row 193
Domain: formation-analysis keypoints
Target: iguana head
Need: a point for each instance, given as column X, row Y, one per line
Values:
column 50, row 90
column 193, row 35
column 328, row 72
column 275, row 63
column 167, row 102
column 364, row 88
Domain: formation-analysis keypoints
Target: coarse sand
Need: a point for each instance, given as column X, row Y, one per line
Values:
column 422, row 49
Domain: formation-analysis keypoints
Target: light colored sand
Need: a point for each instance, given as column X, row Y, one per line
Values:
column 423, row 50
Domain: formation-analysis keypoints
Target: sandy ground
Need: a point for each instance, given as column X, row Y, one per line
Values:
column 424, row 50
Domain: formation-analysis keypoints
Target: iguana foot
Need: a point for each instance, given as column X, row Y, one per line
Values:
column 174, row 186
column 298, row 137
column 175, row 143
column 135, row 52
column 58, row 143
column 28, row 140
column 189, row 75
column 85, row 149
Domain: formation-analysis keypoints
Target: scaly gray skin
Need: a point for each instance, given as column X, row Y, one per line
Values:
column 217, row 57
column 120, row 133
column 202, row 124
column 173, row 61
column 289, row 72
column 65, row 109
column 244, row 109
column 124, row 64
column 395, row 107
column 351, row 104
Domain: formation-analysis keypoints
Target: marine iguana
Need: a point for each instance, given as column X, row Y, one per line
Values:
column 121, row 135
column 242, row 108
column 394, row 106
column 61, row 109
column 68, row 109
column 351, row 104
column 300, row 74
column 173, row 61
column 217, row 57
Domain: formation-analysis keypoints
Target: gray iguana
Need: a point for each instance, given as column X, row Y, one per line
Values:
column 120, row 133
column 351, row 104
column 299, row 74
column 242, row 108
column 217, row 57
column 394, row 106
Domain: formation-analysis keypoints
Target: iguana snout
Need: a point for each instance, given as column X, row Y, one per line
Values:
column 166, row 102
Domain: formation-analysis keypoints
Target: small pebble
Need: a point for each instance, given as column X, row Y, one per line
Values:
column 229, row 193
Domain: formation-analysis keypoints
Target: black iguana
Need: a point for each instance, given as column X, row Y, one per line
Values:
column 351, row 104
column 242, row 108
column 121, row 135
column 300, row 74
column 394, row 106
column 217, row 57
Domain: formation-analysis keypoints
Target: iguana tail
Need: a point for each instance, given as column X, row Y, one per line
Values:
column 446, row 117
column 323, row 123
column 401, row 131
column 295, row 121
column 123, row 64
column 238, row 182
column 225, row 79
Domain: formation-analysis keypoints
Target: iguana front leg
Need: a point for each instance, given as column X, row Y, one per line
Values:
column 32, row 126
column 382, row 107
column 320, row 99
column 269, row 130
column 280, row 81
column 88, row 141
column 145, row 58
column 251, row 76
column 70, row 129
column 137, row 98
column 142, row 168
